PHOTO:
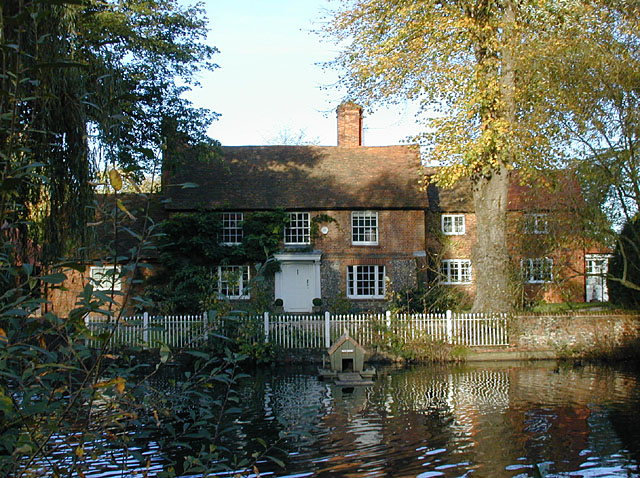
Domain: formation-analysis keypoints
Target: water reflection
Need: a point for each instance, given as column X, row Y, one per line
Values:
column 533, row 419
column 484, row 420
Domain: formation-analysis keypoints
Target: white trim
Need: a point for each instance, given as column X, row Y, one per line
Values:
column 106, row 278
column 242, row 286
column 303, row 230
column 457, row 266
column 537, row 264
column 235, row 228
column 366, row 230
column 379, row 286
column 455, row 231
column 536, row 223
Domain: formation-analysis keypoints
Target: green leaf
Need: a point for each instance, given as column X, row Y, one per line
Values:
column 57, row 278
column 165, row 353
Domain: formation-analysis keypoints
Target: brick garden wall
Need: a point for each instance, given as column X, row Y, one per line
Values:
column 588, row 334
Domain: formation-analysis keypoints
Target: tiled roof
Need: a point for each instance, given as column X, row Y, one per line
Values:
column 560, row 191
column 301, row 177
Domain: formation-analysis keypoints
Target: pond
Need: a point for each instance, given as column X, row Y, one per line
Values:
column 490, row 419
column 520, row 419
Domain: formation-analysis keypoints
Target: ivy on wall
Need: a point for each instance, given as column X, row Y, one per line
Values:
column 190, row 252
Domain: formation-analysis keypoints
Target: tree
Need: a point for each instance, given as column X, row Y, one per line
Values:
column 485, row 104
column 458, row 59
column 624, row 267
column 595, row 73
column 90, row 85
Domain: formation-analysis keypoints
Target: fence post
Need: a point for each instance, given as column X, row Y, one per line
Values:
column 387, row 315
column 145, row 328
column 266, row 327
column 327, row 330
column 449, row 327
column 205, row 327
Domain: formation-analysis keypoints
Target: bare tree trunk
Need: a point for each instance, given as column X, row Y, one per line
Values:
column 490, row 254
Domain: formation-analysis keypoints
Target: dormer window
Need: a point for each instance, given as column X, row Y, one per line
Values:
column 453, row 224
column 298, row 231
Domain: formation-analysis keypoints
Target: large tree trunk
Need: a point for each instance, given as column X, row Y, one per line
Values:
column 490, row 255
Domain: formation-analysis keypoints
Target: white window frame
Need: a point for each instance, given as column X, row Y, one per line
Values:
column 453, row 224
column 231, row 233
column 106, row 278
column 602, row 262
column 371, row 273
column 364, row 228
column 238, row 291
column 534, row 270
column 536, row 223
column 599, row 272
column 456, row 271
column 297, row 231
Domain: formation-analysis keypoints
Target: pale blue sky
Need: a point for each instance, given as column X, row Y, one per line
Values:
column 269, row 79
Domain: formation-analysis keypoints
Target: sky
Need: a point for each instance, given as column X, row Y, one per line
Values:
column 270, row 82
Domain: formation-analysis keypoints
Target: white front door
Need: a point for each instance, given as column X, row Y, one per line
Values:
column 298, row 287
column 298, row 282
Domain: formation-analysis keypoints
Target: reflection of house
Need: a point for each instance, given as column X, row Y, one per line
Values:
column 360, row 224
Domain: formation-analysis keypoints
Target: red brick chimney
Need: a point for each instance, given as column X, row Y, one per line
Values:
column 349, row 124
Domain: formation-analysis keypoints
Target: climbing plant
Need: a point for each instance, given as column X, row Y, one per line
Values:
column 190, row 252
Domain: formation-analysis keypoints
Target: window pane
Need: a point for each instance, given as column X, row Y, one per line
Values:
column 364, row 227
column 232, row 227
column 297, row 230
column 232, row 281
column 365, row 281
column 106, row 277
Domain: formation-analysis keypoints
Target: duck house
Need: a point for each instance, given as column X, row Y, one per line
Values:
column 347, row 355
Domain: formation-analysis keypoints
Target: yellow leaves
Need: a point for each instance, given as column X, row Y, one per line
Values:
column 3, row 337
column 79, row 451
column 115, row 179
column 119, row 384
column 122, row 207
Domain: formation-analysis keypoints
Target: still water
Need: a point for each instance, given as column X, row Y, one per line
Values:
column 482, row 420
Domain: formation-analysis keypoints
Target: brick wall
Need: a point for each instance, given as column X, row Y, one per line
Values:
column 576, row 333
column 400, row 234
column 562, row 244
column 63, row 300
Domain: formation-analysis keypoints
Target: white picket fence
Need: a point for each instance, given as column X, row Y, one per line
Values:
column 302, row 331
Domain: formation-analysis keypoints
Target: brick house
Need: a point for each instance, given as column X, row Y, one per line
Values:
column 376, row 235
column 551, row 259
column 386, row 232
